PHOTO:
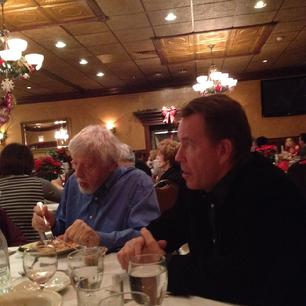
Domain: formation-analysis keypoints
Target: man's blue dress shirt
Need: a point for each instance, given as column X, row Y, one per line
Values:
column 117, row 210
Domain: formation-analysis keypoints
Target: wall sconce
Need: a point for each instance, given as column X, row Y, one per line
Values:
column 111, row 126
column 3, row 136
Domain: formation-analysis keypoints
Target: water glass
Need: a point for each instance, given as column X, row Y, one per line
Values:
column 91, row 290
column 4, row 272
column 148, row 274
column 132, row 298
column 85, row 263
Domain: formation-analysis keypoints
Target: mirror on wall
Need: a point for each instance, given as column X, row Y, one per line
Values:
column 46, row 134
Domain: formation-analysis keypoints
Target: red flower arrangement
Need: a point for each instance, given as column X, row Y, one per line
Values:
column 47, row 167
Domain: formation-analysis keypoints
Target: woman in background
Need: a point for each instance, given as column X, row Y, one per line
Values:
column 19, row 191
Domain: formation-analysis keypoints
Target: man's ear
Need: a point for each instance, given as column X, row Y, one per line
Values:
column 225, row 150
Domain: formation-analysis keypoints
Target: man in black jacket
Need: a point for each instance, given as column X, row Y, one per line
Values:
column 243, row 219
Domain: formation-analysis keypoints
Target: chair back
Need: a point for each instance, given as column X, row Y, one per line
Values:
column 297, row 173
column 166, row 192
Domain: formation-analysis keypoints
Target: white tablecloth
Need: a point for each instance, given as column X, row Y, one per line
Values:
column 111, row 265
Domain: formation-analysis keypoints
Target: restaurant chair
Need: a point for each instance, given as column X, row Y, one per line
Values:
column 166, row 193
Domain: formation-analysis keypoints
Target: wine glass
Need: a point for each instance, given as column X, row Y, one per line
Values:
column 40, row 264
column 148, row 274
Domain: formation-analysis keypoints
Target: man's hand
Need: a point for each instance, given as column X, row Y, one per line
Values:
column 140, row 245
column 82, row 233
column 38, row 221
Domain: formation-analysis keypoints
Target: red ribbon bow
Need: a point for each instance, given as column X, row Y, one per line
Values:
column 169, row 114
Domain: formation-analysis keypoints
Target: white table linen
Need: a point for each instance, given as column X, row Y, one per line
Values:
column 111, row 265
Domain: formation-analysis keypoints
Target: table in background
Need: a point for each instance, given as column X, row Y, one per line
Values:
column 111, row 265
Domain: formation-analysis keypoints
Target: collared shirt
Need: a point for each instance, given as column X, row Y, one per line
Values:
column 125, row 203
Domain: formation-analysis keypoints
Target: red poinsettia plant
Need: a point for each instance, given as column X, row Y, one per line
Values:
column 47, row 167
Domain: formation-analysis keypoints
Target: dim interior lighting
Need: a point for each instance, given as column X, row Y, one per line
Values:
column 260, row 4
column 83, row 61
column 100, row 74
column 170, row 17
column 60, row 44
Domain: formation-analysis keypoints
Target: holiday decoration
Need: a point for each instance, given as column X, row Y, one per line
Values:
column 169, row 114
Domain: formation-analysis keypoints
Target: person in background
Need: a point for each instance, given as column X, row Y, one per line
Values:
column 244, row 220
column 264, row 148
column 291, row 147
column 103, row 204
column 128, row 159
column 169, row 169
column 302, row 143
column 19, row 190
column 126, row 156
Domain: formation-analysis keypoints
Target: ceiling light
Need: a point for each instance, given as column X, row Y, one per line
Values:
column 158, row 74
column 260, row 4
column 265, row 61
column 100, row 74
column 214, row 82
column 29, row 87
column 170, row 17
column 83, row 61
column 279, row 38
column 60, row 44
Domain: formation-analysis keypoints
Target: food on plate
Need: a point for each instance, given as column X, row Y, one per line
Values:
column 60, row 246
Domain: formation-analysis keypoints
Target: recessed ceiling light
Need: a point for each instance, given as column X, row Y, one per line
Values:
column 170, row 17
column 83, row 61
column 265, row 61
column 100, row 74
column 60, row 44
column 279, row 38
column 29, row 87
column 260, row 4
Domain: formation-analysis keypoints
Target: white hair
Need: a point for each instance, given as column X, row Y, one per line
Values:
column 126, row 153
column 96, row 141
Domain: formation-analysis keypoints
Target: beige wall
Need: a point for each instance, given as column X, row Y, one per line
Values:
column 120, row 108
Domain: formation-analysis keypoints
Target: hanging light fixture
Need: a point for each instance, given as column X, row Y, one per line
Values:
column 12, row 63
column 215, row 81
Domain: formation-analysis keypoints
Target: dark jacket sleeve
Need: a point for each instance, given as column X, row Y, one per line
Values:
column 11, row 232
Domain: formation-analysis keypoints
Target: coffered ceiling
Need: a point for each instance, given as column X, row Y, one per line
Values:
column 137, row 49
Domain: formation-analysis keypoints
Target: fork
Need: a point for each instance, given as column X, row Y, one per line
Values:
column 48, row 235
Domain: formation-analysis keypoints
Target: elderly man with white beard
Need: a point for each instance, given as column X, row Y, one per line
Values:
column 103, row 204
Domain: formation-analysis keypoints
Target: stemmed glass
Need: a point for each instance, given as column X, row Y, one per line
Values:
column 148, row 274
column 40, row 264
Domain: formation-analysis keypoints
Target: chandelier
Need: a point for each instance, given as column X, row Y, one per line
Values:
column 13, row 65
column 215, row 81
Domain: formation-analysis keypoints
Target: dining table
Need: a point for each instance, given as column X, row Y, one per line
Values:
column 111, row 267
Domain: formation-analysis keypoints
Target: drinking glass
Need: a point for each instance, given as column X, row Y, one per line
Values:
column 132, row 298
column 148, row 274
column 40, row 264
column 85, row 263
column 91, row 290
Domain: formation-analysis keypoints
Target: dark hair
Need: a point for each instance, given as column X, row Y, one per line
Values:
column 261, row 141
column 225, row 119
column 16, row 159
column 303, row 137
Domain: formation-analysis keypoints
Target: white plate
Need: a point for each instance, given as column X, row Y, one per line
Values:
column 57, row 283
column 31, row 298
